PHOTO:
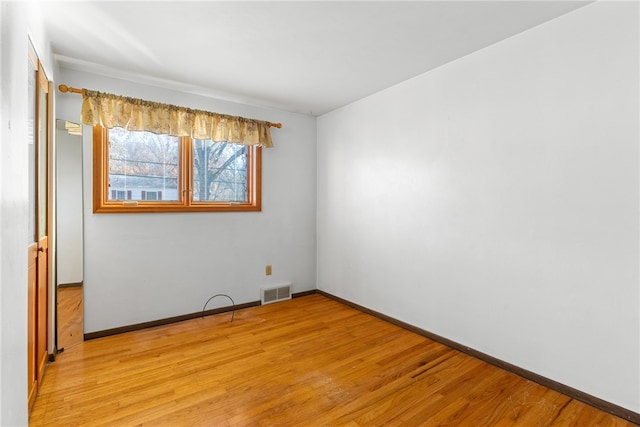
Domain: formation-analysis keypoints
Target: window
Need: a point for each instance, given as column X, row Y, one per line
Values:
column 120, row 195
column 151, row 195
column 138, row 171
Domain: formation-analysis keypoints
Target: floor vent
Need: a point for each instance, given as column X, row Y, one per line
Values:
column 275, row 294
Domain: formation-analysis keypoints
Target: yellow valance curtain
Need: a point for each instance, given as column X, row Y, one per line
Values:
column 111, row 111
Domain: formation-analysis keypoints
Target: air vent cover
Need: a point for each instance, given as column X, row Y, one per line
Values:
column 275, row 294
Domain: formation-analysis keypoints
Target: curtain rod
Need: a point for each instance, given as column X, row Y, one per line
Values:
column 65, row 89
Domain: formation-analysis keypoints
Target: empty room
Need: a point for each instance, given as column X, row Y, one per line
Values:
column 320, row 213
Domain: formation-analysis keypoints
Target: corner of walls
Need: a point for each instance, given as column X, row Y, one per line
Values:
column 494, row 201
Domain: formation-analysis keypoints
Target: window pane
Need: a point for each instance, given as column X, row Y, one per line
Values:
column 219, row 172
column 143, row 165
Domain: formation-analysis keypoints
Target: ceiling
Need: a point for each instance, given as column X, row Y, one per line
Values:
column 308, row 57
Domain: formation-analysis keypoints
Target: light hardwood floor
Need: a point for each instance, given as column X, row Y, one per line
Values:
column 70, row 316
column 311, row 362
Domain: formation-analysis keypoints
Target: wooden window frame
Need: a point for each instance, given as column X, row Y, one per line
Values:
column 102, row 204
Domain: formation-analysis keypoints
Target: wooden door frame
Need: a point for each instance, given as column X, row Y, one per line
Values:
column 51, row 229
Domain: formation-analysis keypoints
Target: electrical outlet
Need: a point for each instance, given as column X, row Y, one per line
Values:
column 267, row 270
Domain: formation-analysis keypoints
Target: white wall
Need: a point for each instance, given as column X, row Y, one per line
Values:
column 144, row 267
column 19, row 21
column 494, row 201
column 69, row 206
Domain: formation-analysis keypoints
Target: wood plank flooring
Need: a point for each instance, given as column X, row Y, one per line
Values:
column 310, row 361
column 70, row 316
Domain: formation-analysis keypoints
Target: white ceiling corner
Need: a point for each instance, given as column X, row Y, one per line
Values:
column 308, row 57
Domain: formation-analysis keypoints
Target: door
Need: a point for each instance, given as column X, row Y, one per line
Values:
column 38, row 248
column 42, row 206
column 69, row 232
